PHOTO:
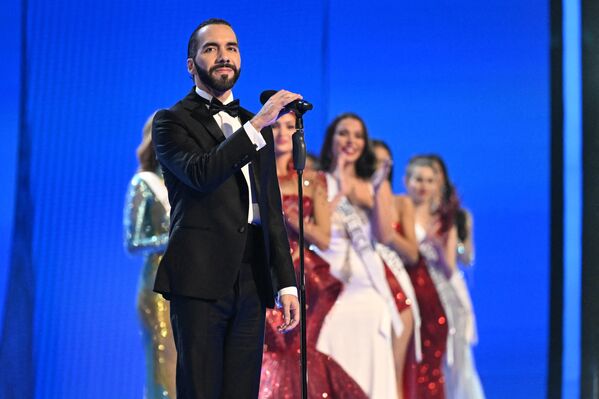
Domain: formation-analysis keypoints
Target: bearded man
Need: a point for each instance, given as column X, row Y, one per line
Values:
column 228, row 256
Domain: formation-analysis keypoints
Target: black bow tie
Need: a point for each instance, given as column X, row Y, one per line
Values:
column 216, row 106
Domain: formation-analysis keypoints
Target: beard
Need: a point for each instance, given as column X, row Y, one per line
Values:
column 219, row 84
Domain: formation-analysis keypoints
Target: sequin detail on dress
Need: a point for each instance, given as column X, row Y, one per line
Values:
column 280, row 377
column 401, row 300
column 146, row 224
column 425, row 380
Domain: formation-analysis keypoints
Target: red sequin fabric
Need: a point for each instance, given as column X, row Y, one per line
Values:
column 401, row 300
column 280, row 377
column 425, row 380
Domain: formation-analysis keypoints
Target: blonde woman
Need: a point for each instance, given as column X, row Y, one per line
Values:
column 146, row 225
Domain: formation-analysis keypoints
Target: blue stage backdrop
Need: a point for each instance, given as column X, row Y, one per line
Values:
column 9, row 112
column 466, row 79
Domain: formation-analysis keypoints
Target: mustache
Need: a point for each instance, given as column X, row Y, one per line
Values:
column 226, row 65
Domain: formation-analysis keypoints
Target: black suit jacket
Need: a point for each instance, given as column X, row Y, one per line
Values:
column 209, row 204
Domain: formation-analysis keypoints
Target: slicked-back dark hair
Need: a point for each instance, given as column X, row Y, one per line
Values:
column 366, row 163
column 192, row 45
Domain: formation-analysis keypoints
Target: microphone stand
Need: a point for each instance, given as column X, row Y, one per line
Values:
column 299, row 162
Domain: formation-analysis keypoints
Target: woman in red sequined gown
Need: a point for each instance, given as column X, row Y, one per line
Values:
column 280, row 377
column 420, row 182
column 461, row 377
column 424, row 379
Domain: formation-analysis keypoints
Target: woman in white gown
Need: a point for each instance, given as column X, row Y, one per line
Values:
column 358, row 331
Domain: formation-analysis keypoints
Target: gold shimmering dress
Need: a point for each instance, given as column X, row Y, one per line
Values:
column 146, row 224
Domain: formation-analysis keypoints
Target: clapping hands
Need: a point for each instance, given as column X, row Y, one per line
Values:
column 381, row 173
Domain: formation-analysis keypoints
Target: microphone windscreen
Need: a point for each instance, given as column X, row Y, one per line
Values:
column 266, row 94
column 299, row 150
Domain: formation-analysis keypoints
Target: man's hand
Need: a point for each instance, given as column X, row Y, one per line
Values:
column 291, row 312
column 272, row 108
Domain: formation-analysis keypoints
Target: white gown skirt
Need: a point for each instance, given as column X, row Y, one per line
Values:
column 357, row 332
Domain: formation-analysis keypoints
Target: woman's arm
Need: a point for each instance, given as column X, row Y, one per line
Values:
column 141, row 235
column 388, row 210
column 406, row 243
column 358, row 191
column 384, row 215
column 361, row 193
column 466, row 248
column 318, row 230
column 450, row 249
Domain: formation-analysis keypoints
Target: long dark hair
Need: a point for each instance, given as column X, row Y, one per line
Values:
column 382, row 144
column 366, row 163
column 450, row 203
column 461, row 220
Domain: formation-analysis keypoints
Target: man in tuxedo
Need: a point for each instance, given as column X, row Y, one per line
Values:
column 228, row 256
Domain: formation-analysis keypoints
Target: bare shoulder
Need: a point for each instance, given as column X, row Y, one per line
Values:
column 315, row 178
column 310, row 175
column 402, row 202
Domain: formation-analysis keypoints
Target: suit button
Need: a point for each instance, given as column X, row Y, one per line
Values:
column 241, row 229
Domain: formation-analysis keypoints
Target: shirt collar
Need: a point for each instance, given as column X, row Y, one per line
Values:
column 208, row 97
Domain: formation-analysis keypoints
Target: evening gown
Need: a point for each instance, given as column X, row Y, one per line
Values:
column 402, row 289
column 461, row 378
column 357, row 332
column 146, row 224
column 401, row 299
column 280, row 376
column 425, row 379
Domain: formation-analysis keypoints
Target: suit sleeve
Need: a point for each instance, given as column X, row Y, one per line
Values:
column 280, row 256
column 199, row 168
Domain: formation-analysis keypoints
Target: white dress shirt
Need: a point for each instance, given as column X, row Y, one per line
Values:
column 229, row 125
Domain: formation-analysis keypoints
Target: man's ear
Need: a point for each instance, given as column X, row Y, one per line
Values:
column 191, row 68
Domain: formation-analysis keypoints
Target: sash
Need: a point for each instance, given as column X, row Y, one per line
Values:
column 158, row 188
column 395, row 264
column 435, row 263
column 360, row 241
column 461, row 289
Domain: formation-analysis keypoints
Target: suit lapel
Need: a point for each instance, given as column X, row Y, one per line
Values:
column 202, row 115
column 199, row 112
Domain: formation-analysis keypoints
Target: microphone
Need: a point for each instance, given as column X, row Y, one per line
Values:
column 298, row 106
column 299, row 150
